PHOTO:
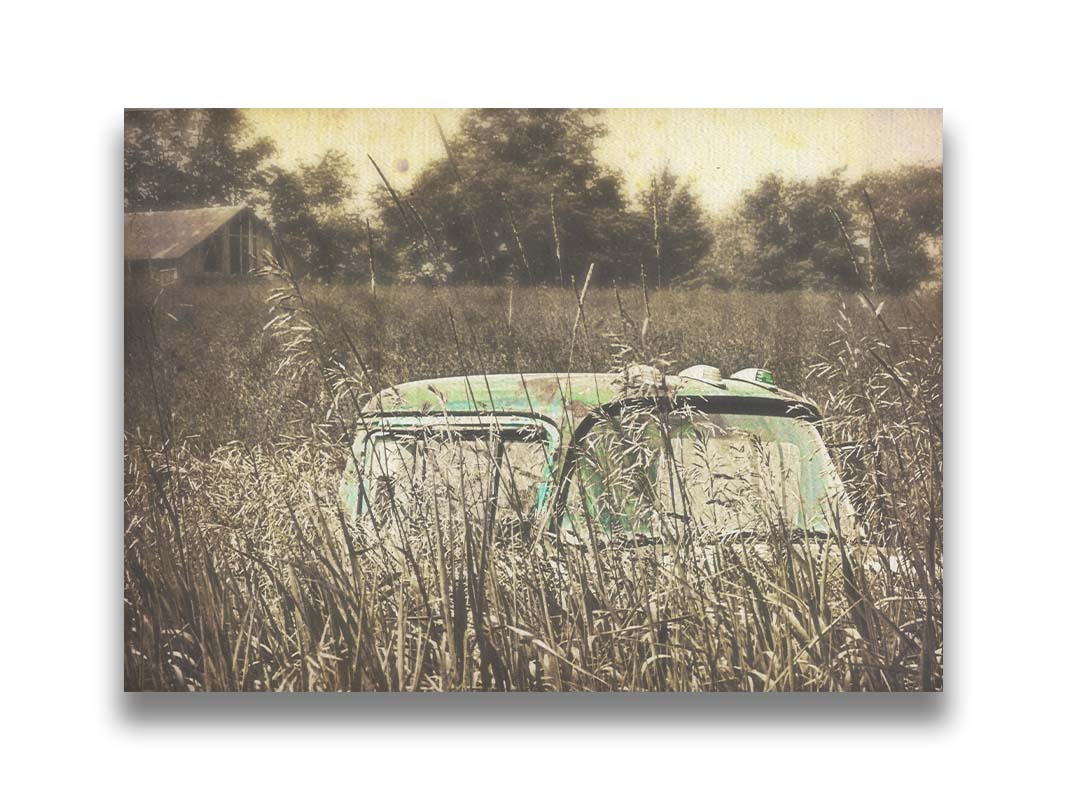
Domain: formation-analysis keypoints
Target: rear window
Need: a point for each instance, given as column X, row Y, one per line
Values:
column 716, row 474
column 482, row 472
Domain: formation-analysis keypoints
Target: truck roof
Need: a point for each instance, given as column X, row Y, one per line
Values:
column 555, row 395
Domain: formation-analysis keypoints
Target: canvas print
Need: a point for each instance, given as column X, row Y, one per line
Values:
column 536, row 400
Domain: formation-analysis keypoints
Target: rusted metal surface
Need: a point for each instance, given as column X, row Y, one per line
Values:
column 564, row 398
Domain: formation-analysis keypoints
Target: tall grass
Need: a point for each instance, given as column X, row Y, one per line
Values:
column 241, row 572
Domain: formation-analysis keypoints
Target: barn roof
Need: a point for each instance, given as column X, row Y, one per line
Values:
column 152, row 235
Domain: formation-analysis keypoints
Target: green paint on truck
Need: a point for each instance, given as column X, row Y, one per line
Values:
column 545, row 423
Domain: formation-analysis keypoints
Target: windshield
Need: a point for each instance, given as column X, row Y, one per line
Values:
column 485, row 473
column 715, row 474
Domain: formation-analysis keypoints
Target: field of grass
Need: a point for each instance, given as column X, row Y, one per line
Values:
column 240, row 576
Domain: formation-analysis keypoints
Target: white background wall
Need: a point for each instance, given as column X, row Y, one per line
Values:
column 998, row 73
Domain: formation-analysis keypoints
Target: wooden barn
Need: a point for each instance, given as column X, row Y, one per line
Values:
column 167, row 246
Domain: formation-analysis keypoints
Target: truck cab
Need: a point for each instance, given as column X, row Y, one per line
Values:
column 598, row 458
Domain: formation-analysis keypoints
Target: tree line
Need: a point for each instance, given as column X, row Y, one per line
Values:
column 520, row 195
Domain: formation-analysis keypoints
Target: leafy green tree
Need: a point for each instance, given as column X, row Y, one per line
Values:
column 312, row 211
column 798, row 241
column 175, row 158
column 519, row 195
column 822, row 230
column 905, row 219
column 678, row 230
column 883, row 230
column 765, row 213
column 729, row 263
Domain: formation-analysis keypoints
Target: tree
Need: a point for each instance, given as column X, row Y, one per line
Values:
column 517, row 187
column 312, row 210
column 679, row 235
column 822, row 229
column 764, row 212
column 822, row 233
column 175, row 158
column 905, row 216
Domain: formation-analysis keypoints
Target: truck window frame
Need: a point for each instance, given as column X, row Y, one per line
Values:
column 388, row 423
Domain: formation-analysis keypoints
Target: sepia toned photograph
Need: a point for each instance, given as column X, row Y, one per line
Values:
column 532, row 400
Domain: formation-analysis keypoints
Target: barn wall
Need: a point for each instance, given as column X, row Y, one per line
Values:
column 196, row 260
column 145, row 277
column 223, row 235
column 239, row 232
column 263, row 242
column 192, row 263
column 258, row 241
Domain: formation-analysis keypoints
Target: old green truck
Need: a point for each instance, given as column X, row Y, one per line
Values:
column 616, row 458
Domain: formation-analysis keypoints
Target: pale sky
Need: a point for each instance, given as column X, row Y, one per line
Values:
column 723, row 151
